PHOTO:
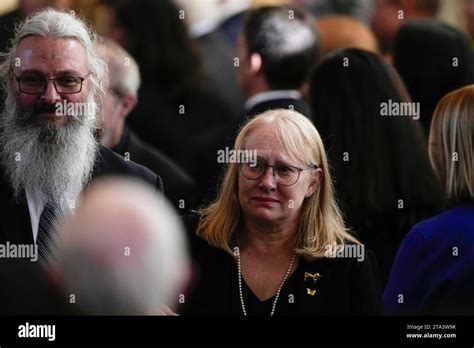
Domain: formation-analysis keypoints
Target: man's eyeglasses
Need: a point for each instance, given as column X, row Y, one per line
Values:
column 37, row 84
column 285, row 175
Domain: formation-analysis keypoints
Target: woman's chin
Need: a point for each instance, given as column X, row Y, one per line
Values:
column 264, row 215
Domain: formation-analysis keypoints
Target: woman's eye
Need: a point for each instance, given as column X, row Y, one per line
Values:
column 285, row 170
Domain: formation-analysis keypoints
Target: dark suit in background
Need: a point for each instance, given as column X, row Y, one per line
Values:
column 218, row 56
column 191, row 138
column 15, row 225
column 298, row 105
column 179, row 184
column 254, row 107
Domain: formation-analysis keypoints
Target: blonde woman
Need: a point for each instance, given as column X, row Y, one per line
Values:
column 434, row 269
column 274, row 241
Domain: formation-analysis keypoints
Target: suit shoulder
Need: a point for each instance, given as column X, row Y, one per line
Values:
column 110, row 163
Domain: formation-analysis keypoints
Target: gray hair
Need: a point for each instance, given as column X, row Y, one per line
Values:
column 124, row 251
column 58, row 24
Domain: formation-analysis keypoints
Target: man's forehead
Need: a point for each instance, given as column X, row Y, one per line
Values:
column 44, row 52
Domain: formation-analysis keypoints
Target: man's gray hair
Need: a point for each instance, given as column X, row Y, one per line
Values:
column 124, row 74
column 58, row 24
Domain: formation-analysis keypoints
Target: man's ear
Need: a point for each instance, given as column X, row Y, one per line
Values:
column 255, row 63
column 128, row 103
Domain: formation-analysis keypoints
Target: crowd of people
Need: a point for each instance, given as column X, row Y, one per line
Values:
column 291, row 160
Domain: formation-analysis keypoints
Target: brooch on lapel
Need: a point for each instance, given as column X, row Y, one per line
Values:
column 311, row 277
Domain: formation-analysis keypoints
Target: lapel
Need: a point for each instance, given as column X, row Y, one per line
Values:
column 15, row 223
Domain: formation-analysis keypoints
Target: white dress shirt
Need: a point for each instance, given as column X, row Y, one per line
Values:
column 36, row 203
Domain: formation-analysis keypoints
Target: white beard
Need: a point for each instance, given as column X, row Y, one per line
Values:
column 46, row 159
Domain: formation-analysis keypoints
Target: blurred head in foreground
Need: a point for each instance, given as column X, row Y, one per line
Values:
column 123, row 252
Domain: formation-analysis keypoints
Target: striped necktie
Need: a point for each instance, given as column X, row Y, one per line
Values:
column 47, row 232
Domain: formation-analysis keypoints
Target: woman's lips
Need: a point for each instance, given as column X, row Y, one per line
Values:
column 265, row 200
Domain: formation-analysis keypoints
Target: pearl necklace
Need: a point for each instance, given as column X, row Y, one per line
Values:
column 237, row 252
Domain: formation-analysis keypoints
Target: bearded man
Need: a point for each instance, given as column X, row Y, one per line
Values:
column 48, row 150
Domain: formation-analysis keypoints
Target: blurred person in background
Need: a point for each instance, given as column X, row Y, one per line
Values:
column 389, row 15
column 123, row 252
column 176, row 112
column 25, row 8
column 277, row 50
column 119, row 101
column 433, row 59
column 383, row 179
column 360, row 10
column 338, row 32
column 218, row 49
column 264, row 246
column 434, row 269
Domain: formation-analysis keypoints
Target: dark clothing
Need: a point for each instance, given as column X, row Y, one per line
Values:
column 217, row 55
column 434, row 268
column 180, row 186
column 23, row 287
column 232, row 27
column 383, row 231
column 189, row 131
column 15, row 225
column 7, row 27
column 346, row 286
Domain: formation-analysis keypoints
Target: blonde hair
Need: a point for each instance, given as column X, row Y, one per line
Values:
column 450, row 144
column 321, row 222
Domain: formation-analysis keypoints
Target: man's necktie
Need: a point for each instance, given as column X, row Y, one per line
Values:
column 47, row 232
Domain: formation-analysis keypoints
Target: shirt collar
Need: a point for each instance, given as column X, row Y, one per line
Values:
column 271, row 95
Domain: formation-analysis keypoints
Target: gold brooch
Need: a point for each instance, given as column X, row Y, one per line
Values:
column 314, row 277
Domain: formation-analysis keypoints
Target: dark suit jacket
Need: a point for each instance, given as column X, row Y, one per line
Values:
column 179, row 184
column 298, row 105
column 190, row 139
column 347, row 286
column 23, row 287
column 15, row 225
column 217, row 56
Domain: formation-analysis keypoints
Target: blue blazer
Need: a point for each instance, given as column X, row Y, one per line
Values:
column 433, row 272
